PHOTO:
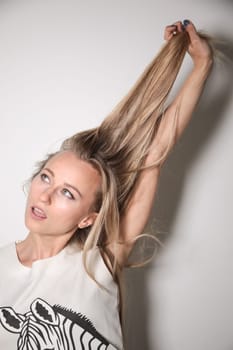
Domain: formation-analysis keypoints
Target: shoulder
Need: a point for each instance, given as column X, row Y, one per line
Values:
column 99, row 266
column 90, row 262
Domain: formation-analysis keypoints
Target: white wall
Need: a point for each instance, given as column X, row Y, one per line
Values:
column 63, row 67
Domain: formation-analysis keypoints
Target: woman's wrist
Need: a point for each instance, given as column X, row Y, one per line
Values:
column 203, row 65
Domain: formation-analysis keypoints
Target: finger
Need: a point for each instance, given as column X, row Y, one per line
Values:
column 191, row 30
column 179, row 26
column 172, row 30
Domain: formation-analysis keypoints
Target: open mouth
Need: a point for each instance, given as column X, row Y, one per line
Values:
column 38, row 213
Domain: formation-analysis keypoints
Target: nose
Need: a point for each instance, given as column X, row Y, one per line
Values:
column 46, row 195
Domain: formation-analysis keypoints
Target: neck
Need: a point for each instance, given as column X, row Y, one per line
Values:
column 35, row 247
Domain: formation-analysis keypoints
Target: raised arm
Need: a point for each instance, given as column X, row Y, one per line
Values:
column 187, row 98
column 136, row 214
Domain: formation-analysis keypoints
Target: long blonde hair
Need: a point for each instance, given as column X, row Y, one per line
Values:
column 118, row 147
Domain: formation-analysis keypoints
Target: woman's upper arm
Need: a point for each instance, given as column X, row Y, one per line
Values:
column 137, row 212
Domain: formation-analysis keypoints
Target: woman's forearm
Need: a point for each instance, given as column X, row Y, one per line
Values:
column 178, row 114
column 189, row 95
column 184, row 105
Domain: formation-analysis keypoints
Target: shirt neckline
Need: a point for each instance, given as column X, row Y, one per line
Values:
column 38, row 262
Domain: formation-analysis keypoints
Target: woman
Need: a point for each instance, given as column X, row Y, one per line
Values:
column 88, row 203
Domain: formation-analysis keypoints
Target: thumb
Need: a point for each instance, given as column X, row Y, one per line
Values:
column 191, row 30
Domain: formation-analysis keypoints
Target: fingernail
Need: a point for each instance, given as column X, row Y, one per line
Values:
column 186, row 22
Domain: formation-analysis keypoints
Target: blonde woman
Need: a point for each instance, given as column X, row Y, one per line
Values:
column 88, row 203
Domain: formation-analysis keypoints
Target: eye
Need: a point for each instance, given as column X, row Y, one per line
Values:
column 44, row 177
column 67, row 193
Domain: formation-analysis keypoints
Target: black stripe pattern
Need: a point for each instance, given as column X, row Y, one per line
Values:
column 47, row 327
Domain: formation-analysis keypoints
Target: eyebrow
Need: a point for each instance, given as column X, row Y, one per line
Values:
column 65, row 184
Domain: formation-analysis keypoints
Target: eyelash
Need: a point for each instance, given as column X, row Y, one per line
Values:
column 44, row 177
column 70, row 195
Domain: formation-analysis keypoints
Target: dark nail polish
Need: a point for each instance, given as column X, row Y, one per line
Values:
column 186, row 22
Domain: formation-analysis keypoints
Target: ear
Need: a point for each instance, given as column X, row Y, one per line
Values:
column 88, row 220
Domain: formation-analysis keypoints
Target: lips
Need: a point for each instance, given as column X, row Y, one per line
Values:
column 38, row 213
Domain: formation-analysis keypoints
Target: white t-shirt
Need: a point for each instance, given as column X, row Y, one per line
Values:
column 55, row 305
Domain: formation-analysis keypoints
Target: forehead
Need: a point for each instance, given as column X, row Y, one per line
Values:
column 68, row 168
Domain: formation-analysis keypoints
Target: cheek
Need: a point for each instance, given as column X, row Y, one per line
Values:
column 66, row 221
column 77, row 207
column 66, row 211
column 63, row 204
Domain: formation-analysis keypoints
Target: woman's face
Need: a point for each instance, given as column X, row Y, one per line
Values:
column 62, row 195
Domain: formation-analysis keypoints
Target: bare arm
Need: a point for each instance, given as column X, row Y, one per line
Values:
column 139, row 208
column 189, row 94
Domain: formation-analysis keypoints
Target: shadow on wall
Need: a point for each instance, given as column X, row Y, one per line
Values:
column 208, row 116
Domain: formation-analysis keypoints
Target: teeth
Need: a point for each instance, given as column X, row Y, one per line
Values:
column 39, row 212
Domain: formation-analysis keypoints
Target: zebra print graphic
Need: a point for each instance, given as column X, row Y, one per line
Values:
column 47, row 327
